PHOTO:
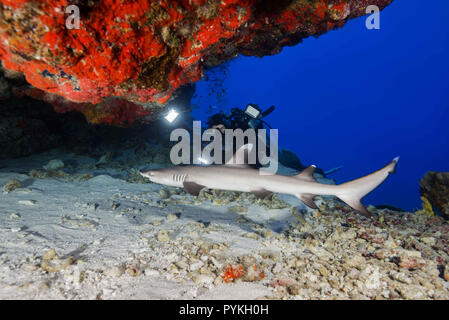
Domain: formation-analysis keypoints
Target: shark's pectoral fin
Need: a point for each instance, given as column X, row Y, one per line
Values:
column 357, row 205
column 192, row 188
column 361, row 208
column 262, row 194
column 307, row 198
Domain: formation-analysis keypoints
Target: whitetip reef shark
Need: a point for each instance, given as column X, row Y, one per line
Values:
column 235, row 175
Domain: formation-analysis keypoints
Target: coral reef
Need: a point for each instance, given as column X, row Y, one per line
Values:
column 434, row 187
column 144, row 241
column 112, row 110
column 137, row 53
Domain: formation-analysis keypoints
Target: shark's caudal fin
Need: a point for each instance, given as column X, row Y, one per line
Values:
column 352, row 192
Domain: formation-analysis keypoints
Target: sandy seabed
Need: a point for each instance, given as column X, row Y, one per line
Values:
column 93, row 235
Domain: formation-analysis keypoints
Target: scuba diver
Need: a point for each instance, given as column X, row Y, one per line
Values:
column 252, row 117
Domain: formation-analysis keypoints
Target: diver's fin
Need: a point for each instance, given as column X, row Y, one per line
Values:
column 307, row 198
column 307, row 174
column 262, row 194
column 352, row 192
column 193, row 188
column 333, row 170
column 240, row 157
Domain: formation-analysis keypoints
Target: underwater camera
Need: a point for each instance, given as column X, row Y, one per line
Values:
column 253, row 111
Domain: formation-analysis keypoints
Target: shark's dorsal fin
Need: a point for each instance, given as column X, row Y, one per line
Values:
column 307, row 174
column 240, row 157
column 193, row 188
column 307, row 198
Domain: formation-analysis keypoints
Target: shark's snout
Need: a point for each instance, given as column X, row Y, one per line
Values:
column 147, row 174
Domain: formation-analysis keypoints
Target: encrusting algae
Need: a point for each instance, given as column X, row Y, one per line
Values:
column 427, row 210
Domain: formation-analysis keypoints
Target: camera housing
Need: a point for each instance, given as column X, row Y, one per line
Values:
column 253, row 111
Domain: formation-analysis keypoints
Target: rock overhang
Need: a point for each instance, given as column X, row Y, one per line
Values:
column 128, row 58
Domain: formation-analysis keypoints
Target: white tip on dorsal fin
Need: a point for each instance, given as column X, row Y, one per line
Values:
column 240, row 158
column 307, row 174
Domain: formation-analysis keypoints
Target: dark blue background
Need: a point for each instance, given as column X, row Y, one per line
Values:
column 358, row 97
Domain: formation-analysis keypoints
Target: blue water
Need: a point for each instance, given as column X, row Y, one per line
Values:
column 357, row 97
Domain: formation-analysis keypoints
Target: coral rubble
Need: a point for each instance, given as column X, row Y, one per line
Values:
column 434, row 187
column 137, row 53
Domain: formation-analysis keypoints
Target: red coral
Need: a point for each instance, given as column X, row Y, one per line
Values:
column 320, row 11
column 143, row 50
column 231, row 274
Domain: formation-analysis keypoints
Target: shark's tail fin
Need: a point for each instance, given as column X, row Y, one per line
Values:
column 352, row 192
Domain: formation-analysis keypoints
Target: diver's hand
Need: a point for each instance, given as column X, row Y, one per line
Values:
column 219, row 127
